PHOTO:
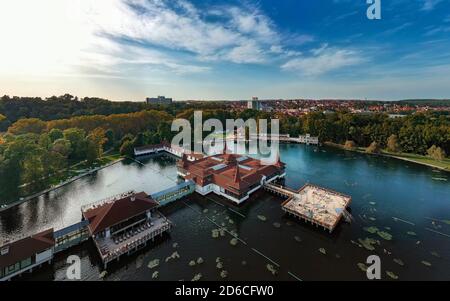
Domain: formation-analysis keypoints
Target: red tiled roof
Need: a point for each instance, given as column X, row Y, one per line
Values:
column 27, row 247
column 230, row 173
column 120, row 210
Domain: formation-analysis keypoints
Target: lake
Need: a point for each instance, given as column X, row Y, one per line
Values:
column 408, row 201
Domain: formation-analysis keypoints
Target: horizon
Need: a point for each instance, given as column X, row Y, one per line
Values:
column 236, row 100
column 126, row 50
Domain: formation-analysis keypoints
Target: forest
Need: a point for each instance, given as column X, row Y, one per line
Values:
column 32, row 148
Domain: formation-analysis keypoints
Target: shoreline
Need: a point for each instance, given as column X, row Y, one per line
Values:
column 38, row 194
column 336, row 145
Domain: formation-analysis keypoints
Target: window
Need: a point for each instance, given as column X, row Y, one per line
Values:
column 25, row 263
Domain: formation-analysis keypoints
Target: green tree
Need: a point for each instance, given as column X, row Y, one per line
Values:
column 95, row 141
column 111, row 138
column 78, row 143
column 4, row 123
column 127, row 149
column 55, row 134
column 45, row 141
column 62, row 147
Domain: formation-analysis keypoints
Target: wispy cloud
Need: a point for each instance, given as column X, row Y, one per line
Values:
column 322, row 60
column 429, row 5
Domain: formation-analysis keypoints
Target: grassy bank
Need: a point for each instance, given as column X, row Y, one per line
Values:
column 419, row 159
column 71, row 172
column 60, row 179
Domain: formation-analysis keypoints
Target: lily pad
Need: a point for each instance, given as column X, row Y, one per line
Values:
column 271, row 269
column 223, row 274
column 368, row 243
column 219, row 265
column 205, row 210
column 233, row 241
column 215, row 233
column 428, row 264
column 192, row 263
column 277, row 225
column 372, row 203
column 200, row 260
column 372, row 230
column 175, row 245
column 153, row 264
column 391, row 274
column 323, row 251
column 262, row 218
column 297, row 239
column 155, row 274
column 411, row 233
column 218, row 259
column 372, row 218
column 197, row 277
column 362, row 266
column 102, row 274
column 231, row 221
column 435, row 254
column 384, row 235
column 399, row 261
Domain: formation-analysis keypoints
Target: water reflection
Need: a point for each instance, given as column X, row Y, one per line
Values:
column 381, row 189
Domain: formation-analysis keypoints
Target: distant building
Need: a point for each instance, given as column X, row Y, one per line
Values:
column 254, row 104
column 394, row 116
column 160, row 100
column 308, row 139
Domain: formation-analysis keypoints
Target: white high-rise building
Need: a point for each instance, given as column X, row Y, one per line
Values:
column 254, row 104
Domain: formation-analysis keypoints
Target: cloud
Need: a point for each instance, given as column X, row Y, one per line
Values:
column 323, row 60
column 180, row 26
column 109, row 37
column 429, row 5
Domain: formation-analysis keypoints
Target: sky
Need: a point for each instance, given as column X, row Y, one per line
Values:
column 218, row 50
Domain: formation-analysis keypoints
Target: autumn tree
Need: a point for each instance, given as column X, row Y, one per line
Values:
column 373, row 148
column 436, row 153
column 349, row 144
column 24, row 126
column 392, row 144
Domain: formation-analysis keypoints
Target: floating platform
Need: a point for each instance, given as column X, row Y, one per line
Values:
column 319, row 206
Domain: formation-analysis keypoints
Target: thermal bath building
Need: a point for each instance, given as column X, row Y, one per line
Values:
column 231, row 176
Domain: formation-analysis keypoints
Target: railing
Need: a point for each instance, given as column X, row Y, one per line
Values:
column 137, row 242
column 107, row 200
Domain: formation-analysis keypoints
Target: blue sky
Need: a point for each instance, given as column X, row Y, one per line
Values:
column 215, row 49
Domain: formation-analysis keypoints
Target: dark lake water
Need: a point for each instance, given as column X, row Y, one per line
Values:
column 397, row 197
